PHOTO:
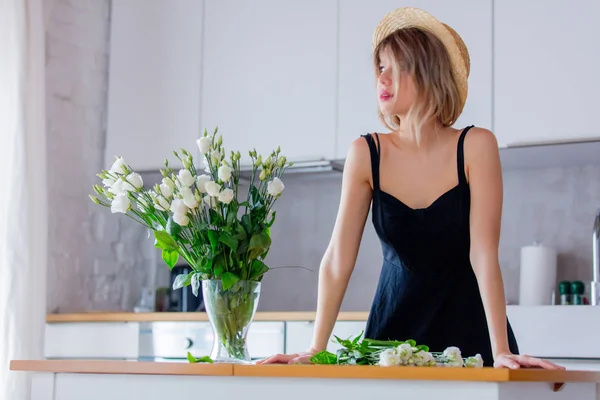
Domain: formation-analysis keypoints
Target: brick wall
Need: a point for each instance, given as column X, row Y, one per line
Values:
column 96, row 260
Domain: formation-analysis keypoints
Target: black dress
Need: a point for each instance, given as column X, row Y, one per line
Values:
column 427, row 289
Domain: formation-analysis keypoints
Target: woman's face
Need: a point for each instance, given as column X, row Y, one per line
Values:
column 391, row 103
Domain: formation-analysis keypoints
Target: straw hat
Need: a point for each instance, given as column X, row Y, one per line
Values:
column 411, row 17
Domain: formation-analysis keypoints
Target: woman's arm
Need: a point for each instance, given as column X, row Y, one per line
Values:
column 484, row 173
column 340, row 257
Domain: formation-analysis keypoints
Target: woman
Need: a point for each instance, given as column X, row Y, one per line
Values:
column 436, row 195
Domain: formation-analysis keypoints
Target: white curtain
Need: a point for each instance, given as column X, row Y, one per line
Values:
column 23, row 221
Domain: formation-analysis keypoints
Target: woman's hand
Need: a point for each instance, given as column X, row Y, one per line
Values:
column 298, row 358
column 516, row 361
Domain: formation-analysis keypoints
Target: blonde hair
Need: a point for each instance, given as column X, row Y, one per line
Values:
column 425, row 59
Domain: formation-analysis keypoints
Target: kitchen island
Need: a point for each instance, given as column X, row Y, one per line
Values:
column 121, row 380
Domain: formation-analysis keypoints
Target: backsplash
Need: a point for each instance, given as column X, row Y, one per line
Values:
column 99, row 261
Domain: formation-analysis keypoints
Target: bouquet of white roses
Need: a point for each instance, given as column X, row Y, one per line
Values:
column 199, row 216
column 387, row 353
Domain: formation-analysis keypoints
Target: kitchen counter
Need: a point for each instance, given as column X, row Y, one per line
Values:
column 192, row 316
column 70, row 379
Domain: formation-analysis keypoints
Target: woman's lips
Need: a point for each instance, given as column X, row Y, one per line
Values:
column 384, row 96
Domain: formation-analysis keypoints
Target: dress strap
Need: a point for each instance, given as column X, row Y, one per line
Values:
column 460, row 156
column 374, row 150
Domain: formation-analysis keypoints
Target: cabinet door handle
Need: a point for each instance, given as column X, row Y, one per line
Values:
column 190, row 343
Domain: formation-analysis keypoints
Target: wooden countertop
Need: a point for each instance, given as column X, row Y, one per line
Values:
column 305, row 371
column 192, row 316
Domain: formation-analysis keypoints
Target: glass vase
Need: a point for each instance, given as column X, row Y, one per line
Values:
column 230, row 312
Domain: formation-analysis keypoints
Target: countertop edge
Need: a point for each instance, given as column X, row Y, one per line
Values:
column 193, row 316
column 305, row 371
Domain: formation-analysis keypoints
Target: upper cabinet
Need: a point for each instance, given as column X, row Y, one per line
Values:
column 546, row 70
column 269, row 76
column 357, row 94
column 154, row 80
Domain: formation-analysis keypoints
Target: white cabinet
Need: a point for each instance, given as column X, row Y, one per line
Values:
column 92, row 340
column 154, row 80
column 299, row 334
column 546, row 63
column 357, row 97
column 269, row 76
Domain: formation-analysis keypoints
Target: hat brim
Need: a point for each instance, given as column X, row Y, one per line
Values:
column 410, row 17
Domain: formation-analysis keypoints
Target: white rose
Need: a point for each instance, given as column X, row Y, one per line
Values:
column 179, row 207
column 213, row 189
column 389, row 358
column 185, row 177
column 168, row 182
column 181, row 219
column 135, row 180
column 226, row 196
column 201, row 182
column 474, row 362
column 404, row 351
column 225, row 173
column 165, row 190
column 275, row 187
column 120, row 187
column 108, row 182
column 424, row 359
column 453, row 357
column 210, row 201
column 188, row 198
column 120, row 204
column 204, row 144
column 117, row 166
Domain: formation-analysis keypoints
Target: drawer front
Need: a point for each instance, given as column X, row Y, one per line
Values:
column 175, row 339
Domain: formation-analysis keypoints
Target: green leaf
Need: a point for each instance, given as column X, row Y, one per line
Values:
column 257, row 269
column 247, row 224
column 173, row 228
column 205, row 359
column 229, row 240
column 411, row 342
column 324, row 357
column 182, row 280
column 219, row 265
column 423, row 347
column 170, row 257
column 213, row 237
column 259, row 243
column 195, row 284
column 164, row 241
column 229, row 278
column 272, row 220
column 191, row 358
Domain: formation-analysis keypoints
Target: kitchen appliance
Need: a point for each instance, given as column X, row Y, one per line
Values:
column 183, row 299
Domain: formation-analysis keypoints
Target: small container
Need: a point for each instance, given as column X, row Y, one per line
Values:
column 577, row 289
column 564, row 288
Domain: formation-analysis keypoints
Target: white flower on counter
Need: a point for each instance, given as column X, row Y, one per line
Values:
column 474, row 362
column 225, row 173
column 120, row 204
column 201, row 182
column 213, row 189
column 118, row 165
column 181, row 219
column 275, row 187
column 389, row 358
column 226, row 196
column 166, row 190
column 405, row 352
column 135, row 180
column 204, row 144
column 424, row 359
column 453, row 357
column 185, row 177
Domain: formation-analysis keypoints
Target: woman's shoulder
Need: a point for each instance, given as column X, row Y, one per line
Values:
column 480, row 144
